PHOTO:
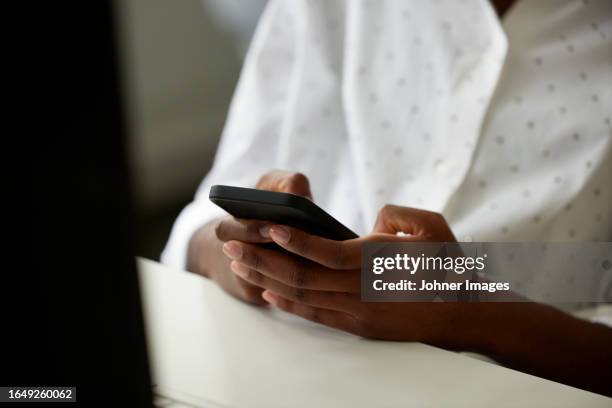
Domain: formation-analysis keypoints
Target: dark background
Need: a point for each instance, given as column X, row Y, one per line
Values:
column 72, row 310
column 124, row 105
column 180, row 62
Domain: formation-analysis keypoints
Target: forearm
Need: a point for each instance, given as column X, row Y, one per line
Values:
column 546, row 342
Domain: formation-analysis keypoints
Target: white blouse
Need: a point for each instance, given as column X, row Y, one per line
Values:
column 502, row 126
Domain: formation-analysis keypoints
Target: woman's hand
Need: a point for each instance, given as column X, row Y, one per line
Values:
column 205, row 253
column 322, row 284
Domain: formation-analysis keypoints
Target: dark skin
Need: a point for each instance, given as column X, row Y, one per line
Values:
column 219, row 231
column 205, row 253
column 322, row 284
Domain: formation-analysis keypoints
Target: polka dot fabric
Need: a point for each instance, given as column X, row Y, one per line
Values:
column 541, row 170
column 503, row 126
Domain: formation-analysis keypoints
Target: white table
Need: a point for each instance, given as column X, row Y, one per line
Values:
column 208, row 349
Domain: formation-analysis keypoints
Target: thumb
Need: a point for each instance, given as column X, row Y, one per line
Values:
column 424, row 224
column 286, row 182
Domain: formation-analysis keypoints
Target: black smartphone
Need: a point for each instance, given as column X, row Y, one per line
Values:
column 281, row 208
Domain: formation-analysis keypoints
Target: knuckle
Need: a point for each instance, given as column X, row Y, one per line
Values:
column 265, row 180
column 220, row 230
column 298, row 179
column 253, row 276
column 340, row 258
column 386, row 211
column 299, row 294
column 251, row 228
column 294, row 182
column 300, row 243
column 297, row 276
column 256, row 260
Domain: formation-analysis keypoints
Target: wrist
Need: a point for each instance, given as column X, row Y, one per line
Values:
column 505, row 331
column 470, row 327
column 199, row 248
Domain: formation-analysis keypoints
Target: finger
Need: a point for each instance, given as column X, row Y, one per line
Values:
column 336, row 255
column 393, row 219
column 249, row 293
column 291, row 270
column 230, row 228
column 317, row 298
column 286, row 182
column 327, row 252
column 332, row 318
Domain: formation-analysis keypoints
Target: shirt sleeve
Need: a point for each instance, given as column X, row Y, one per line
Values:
column 250, row 139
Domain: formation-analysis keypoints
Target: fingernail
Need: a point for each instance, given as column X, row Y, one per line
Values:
column 265, row 231
column 239, row 269
column 270, row 297
column 280, row 234
column 232, row 250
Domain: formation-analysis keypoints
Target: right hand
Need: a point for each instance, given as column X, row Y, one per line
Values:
column 206, row 248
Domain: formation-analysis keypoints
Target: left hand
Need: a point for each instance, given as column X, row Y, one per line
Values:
column 322, row 284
